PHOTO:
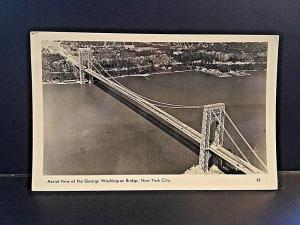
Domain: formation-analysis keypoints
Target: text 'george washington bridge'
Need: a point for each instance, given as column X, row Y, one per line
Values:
column 210, row 140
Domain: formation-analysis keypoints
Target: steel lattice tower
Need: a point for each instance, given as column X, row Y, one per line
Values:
column 213, row 114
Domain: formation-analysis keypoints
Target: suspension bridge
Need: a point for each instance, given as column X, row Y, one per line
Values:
column 209, row 140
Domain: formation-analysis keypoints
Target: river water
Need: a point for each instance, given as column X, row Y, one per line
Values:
column 87, row 131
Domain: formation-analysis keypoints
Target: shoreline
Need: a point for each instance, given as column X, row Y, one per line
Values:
column 147, row 75
column 63, row 82
column 150, row 74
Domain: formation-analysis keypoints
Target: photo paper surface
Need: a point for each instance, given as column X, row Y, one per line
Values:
column 153, row 112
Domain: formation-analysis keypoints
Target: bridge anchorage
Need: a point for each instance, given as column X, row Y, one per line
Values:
column 211, row 138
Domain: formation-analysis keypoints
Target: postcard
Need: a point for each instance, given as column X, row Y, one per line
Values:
column 153, row 111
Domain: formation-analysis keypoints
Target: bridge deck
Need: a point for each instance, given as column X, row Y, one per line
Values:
column 167, row 118
column 187, row 130
column 234, row 160
column 190, row 132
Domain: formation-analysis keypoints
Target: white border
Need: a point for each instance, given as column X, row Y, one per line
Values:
column 177, row 182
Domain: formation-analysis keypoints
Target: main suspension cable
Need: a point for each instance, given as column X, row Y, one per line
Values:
column 246, row 142
column 231, row 138
column 158, row 103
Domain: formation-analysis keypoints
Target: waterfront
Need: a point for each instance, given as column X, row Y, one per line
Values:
column 87, row 131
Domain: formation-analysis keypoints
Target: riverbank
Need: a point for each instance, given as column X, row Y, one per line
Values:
column 150, row 74
column 225, row 75
column 156, row 73
column 62, row 82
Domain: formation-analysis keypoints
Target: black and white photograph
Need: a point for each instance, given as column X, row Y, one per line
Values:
column 184, row 111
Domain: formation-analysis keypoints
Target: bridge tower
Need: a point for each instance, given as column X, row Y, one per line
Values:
column 85, row 62
column 212, row 131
